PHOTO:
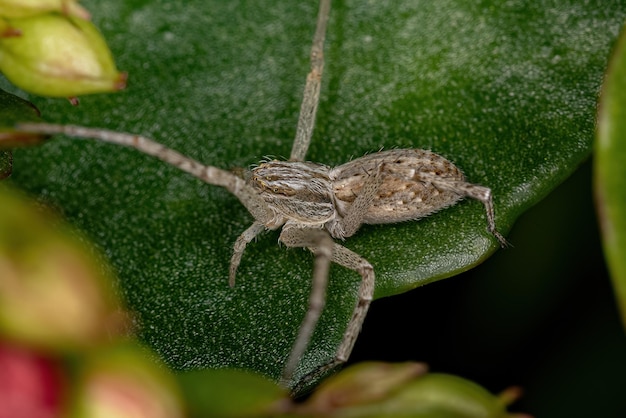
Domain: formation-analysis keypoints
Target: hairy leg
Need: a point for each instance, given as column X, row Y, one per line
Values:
column 353, row 219
column 240, row 246
column 352, row 261
column 326, row 250
column 209, row 174
column 480, row 193
column 311, row 97
column 320, row 242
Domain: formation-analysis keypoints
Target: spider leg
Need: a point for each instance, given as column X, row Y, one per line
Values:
column 311, row 97
column 240, row 246
column 326, row 250
column 353, row 219
column 351, row 260
column 321, row 244
column 480, row 193
column 209, row 174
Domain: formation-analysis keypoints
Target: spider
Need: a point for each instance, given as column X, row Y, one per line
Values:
column 314, row 204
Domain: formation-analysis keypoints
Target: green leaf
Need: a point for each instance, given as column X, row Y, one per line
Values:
column 231, row 393
column 610, row 170
column 12, row 109
column 6, row 164
column 507, row 91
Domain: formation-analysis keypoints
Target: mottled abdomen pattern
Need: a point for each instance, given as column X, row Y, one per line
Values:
column 409, row 188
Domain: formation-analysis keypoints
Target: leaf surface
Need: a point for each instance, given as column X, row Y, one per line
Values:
column 507, row 91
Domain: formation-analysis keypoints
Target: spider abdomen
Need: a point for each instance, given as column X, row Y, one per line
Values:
column 410, row 188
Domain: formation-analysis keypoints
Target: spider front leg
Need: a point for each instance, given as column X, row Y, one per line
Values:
column 240, row 246
column 326, row 250
column 321, row 244
column 352, row 261
column 346, row 258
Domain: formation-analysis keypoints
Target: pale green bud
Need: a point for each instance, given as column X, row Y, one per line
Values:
column 26, row 8
column 57, row 55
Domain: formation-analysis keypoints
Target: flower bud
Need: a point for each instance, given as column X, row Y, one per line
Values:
column 403, row 390
column 32, row 382
column 26, row 8
column 125, row 381
column 58, row 56
column 442, row 395
column 363, row 383
column 53, row 293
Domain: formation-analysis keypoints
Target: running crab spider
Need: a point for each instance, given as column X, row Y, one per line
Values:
column 312, row 203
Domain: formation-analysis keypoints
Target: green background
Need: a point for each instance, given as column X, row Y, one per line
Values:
column 505, row 90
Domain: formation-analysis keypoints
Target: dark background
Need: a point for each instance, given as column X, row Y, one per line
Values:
column 540, row 315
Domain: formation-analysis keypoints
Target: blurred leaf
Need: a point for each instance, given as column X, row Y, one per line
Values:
column 505, row 90
column 610, row 169
column 12, row 110
column 371, row 389
column 231, row 393
column 6, row 164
